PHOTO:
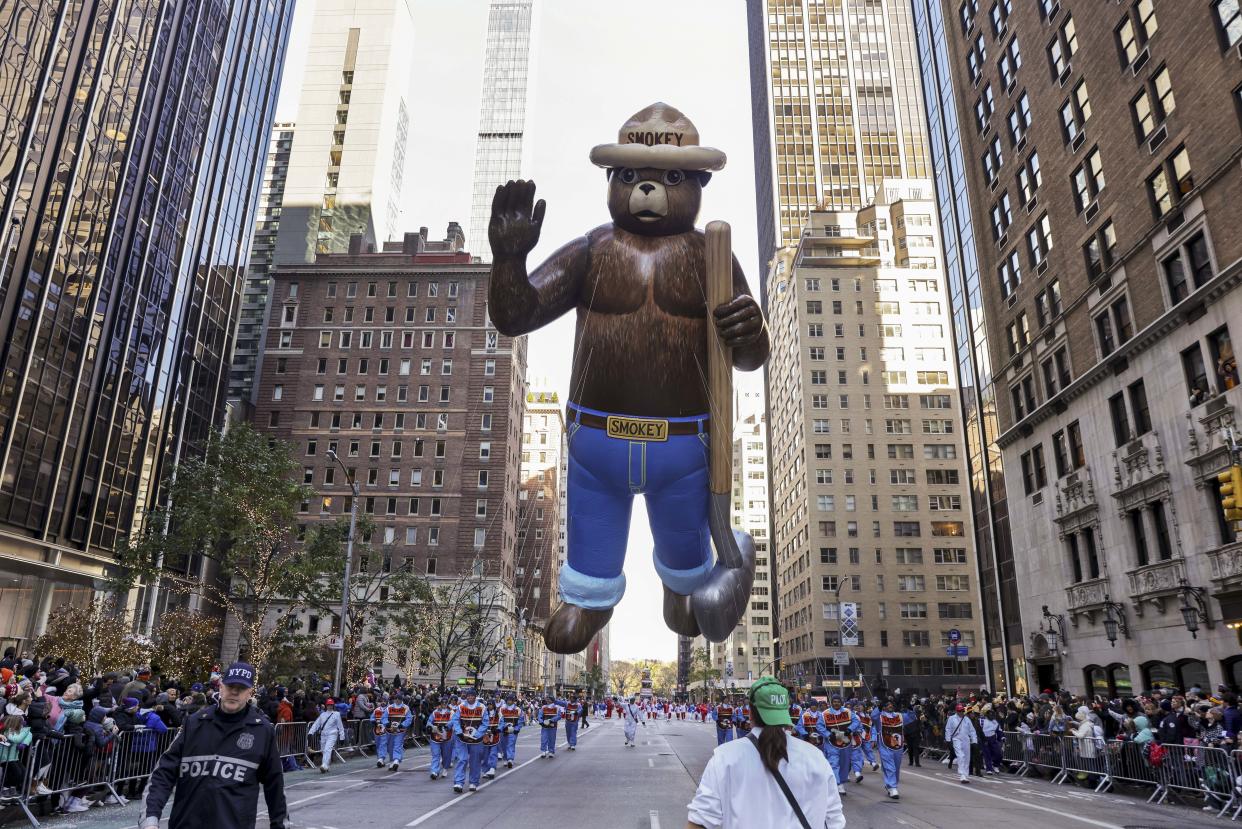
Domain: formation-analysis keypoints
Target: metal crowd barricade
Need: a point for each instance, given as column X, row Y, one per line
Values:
column 15, row 782
column 362, row 736
column 1128, row 763
column 1045, row 752
column 61, row 766
column 135, row 754
column 1199, row 771
column 1016, row 749
column 1236, row 801
column 1087, row 759
column 291, row 740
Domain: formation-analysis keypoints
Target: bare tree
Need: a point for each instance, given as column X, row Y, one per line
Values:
column 625, row 677
column 463, row 623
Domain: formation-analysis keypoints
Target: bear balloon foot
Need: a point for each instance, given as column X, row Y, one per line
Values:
column 679, row 614
column 720, row 602
column 571, row 628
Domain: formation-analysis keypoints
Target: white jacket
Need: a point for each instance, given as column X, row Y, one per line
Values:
column 329, row 722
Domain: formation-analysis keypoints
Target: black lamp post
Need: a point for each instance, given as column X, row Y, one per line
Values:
column 1194, row 608
column 1115, row 620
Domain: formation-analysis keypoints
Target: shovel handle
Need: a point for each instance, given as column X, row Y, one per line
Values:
column 719, row 357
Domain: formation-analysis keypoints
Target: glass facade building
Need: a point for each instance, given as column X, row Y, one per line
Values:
column 132, row 137
column 502, row 114
column 836, row 106
column 993, row 543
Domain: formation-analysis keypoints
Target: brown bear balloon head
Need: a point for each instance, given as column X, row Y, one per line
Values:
column 656, row 172
column 651, row 202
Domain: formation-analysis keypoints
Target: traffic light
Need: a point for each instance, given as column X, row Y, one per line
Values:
column 1231, row 493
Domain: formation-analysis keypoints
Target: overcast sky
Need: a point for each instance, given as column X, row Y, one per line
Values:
column 596, row 62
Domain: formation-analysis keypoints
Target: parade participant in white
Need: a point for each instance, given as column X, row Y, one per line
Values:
column 633, row 716
column 766, row 779
column 329, row 727
column 959, row 731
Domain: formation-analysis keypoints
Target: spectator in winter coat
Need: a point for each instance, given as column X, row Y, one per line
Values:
column 362, row 706
column 126, row 714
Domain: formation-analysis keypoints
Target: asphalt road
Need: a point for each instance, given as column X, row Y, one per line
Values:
column 608, row 786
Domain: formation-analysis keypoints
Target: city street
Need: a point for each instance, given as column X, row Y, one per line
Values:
column 605, row 785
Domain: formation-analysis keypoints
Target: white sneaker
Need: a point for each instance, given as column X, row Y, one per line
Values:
column 841, row 790
column 473, row 787
column 379, row 764
column 115, row 800
column 394, row 767
column 41, row 789
column 490, row 773
column 508, row 764
column 893, row 794
column 76, row 805
column 875, row 766
column 858, row 777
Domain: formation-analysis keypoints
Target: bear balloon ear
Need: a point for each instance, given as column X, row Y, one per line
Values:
column 704, row 177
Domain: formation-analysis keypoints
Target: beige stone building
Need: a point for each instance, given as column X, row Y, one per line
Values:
column 869, row 495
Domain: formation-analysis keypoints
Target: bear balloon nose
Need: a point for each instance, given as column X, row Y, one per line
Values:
column 646, row 188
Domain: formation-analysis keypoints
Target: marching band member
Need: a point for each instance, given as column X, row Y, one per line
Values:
column 859, row 738
column 440, row 725
column 572, row 710
column 381, row 736
column 891, row 745
column 806, row 725
column 741, row 720
column 549, row 715
column 723, row 715
column 870, row 719
column 491, row 739
column 632, row 715
column 512, row 720
column 835, row 726
column 396, row 721
column 469, row 723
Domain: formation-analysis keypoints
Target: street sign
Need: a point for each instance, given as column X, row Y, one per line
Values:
column 955, row 636
column 729, row 668
column 840, row 657
column 957, row 650
column 849, row 624
column 335, row 643
column 519, row 645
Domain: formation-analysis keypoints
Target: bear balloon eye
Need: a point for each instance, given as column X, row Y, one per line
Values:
column 628, row 176
column 673, row 177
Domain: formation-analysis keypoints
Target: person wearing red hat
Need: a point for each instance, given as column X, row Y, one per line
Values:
column 960, row 731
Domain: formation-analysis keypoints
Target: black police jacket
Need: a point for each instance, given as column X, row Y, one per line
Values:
column 217, row 763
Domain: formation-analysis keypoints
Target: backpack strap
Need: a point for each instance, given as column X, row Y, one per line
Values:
column 780, row 781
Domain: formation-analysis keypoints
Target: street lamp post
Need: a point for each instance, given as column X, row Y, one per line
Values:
column 349, row 560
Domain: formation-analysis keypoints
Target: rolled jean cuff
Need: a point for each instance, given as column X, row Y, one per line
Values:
column 684, row 582
column 591, row 592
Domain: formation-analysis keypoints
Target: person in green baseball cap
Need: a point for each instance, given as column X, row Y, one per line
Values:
column 767, row 779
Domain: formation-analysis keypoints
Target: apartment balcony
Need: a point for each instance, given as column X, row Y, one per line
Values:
column 1086, row 598
column 1226, row 565
column 1156, row 583
column 1139, row 473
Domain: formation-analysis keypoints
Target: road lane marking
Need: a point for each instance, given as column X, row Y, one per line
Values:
column 655, row 819
column 1010, row 800
column 650, row 763
column 483, row 785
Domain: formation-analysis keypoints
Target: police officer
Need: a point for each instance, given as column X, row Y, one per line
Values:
column 217, row 762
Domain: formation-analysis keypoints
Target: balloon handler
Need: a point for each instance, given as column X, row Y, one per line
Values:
column 663, row 316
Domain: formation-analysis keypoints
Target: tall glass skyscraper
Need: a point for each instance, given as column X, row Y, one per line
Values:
column 993, row 543
column 132, row 137
column 502, row 115
column 836, row 103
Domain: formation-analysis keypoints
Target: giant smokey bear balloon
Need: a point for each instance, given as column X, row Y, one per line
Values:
column 638, row 418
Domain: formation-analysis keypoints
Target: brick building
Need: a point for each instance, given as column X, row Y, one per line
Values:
column 389, row 359
column 1111, row 129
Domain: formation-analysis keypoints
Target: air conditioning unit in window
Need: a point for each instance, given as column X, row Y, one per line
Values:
column 1077, row 142
column 1021, row 144
column 1011, row 301
column 1091, row 211
column 1157, row 138
column 1003, row 240
column 1032, row 204
column 1238, row 51
column 1140, row 61
column 1037, row 498
column 1065, row 74
column 1043, row 266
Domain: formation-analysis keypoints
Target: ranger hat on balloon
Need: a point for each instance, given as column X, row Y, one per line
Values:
column 660, row 137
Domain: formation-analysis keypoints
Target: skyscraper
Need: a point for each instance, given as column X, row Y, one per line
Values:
column 131, row 150
column 498, row 154
column 347, row 163
column 868, row 488
column 836, row 105
column 340, row 170
column 262, row 256
column 1093, row 147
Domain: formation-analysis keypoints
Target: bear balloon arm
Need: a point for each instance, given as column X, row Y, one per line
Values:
column 520, row 303
column 754, row 354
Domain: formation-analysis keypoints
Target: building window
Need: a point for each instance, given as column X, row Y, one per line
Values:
column 1030, row 178
column 1120, row 420
column 1135, row 29
column 1196, row 375
column 1009, row 274
column 1169, row 184
column 1061, row 50
column 1229, row 19
column 1039, row 241
column 1225, row 363
column 984, row 107
column 1113, row 327
column 1078, row 457
column 1088, row 180
column 993, row 160
column 1020, row 120
column 1074, row 114
column 1153, row 104
column 1001, row 217
column 1138, row 407
column 1009, row 64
